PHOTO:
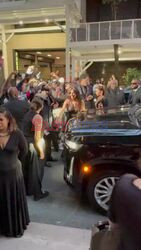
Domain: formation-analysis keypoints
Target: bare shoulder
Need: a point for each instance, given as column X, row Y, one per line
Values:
column 37, row 118
column 67, row 101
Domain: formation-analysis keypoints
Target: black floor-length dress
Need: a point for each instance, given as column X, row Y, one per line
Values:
column 33, row 167
column 14, row 216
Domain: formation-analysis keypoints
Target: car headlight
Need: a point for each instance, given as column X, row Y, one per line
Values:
column 73, row 145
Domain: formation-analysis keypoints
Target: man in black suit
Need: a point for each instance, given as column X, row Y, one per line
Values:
column 135, row 95
column 86, row 90
column 17, row 107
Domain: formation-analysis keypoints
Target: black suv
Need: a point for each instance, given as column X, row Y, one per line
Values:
column 98, row 149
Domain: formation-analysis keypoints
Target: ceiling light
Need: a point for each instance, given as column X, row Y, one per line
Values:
column 49, row 55
column 21, row 22
column 38, row 52
column 46, row 20
column 57, row 57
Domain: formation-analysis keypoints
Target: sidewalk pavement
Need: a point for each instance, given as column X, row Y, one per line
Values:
column 48, row 237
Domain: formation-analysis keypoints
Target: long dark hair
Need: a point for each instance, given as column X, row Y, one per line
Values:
column 9, row 82
column 36, row 103
column 12, row 126
column 76, row 91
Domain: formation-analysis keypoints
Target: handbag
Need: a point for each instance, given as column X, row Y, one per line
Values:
column 104, row 237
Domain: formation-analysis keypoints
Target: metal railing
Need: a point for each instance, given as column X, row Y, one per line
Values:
column 6, row 1
column 112, row 30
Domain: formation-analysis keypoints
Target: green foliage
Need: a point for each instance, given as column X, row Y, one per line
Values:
column 132, row 73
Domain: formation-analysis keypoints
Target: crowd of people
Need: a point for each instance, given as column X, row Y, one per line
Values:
column 32, row 114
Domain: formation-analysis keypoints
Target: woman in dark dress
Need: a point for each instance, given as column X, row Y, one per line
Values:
column 34, row 162
column 72, row 105
column 14, row 216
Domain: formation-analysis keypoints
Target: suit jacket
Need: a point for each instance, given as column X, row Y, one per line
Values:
column 135, row 97
column 85, row 92
column 115, row 97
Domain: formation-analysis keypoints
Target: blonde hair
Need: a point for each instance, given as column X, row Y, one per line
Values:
column 32, row 81
column 101, row 88
column 110, row 82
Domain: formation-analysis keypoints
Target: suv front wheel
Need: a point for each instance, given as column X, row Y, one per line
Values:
column 100, row 188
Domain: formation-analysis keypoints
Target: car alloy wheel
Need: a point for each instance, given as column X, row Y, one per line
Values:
column 103, row 191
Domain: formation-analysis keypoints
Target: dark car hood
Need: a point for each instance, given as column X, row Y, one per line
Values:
column 115, row 123
column 112, row 128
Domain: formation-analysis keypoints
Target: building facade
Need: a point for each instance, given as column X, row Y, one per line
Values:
column 72, row 35
column 95, row 41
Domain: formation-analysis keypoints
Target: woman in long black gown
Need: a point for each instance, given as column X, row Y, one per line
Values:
column 33, row 168
column 14, row 216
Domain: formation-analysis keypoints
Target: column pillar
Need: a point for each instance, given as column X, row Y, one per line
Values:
column 67, row 43
column 73, row 68
column 4, row 52
column 77, row 68
column 36, row 60
column 116, row 56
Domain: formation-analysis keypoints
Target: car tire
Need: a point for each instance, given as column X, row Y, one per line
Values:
column 100, row 188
